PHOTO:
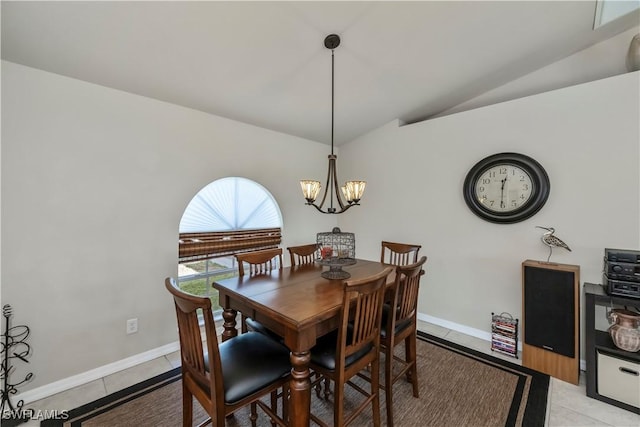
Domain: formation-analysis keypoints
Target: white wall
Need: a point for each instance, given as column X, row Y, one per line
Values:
column 587, row 137
column 94, row 183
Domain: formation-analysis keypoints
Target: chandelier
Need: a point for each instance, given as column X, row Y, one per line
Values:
column 352, row 190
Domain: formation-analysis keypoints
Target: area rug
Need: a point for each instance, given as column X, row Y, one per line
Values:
column 458, row 387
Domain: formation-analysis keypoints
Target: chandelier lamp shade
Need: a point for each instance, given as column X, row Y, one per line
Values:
column 339, row 198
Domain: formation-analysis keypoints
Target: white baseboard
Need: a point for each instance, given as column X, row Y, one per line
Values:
column 95, row 374
column 478, row 333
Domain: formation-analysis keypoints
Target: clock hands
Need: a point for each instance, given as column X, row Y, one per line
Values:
column 502, row 192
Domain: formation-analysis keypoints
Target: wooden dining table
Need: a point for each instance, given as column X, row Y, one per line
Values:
column 298, row 304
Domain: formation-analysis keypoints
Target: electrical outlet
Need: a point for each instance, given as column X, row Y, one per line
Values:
column 132, row 326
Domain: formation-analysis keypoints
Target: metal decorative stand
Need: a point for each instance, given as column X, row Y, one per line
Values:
column 335, row 264
column 14, row 346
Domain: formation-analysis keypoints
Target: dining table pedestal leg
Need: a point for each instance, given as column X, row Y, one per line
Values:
column 230, row 330
column 300, row 389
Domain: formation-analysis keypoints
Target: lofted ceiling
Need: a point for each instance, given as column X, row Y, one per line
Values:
column 264, row 63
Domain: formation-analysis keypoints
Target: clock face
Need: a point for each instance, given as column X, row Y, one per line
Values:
column 503, row 187
column 506, row 188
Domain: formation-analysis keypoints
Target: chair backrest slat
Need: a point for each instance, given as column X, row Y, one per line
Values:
column 260, row 262
column 303, row 254
column 366, row 296
column 407, row 287
column 399, row 253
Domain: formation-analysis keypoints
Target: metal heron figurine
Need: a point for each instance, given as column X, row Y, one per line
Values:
column 552, row 241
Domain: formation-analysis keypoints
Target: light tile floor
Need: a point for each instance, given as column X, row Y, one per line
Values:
column 568, row 404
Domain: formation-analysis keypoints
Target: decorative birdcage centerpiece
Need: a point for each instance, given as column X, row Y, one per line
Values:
column 337, row 249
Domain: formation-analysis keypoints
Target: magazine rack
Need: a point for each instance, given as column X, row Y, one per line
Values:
column 504, row 334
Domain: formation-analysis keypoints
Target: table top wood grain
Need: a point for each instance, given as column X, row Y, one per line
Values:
column 297, row 295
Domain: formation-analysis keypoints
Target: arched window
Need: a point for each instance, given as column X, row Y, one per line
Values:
column 228, row 216
column 231, row 204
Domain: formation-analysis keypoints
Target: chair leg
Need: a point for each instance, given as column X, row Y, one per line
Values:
column 407, row 355
column 327, row 388
column 375, row 392
column 412, row 373
column 187, row 407
column 338, row 405
column 318, row 382
column 254, row 414
column 285, row 403
column 243, row 327
column 274, row 405
column 388, row 383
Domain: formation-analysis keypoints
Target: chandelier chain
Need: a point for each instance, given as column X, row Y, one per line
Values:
column 332, row 98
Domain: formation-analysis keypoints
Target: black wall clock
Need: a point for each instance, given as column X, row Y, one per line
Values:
column 507, row 187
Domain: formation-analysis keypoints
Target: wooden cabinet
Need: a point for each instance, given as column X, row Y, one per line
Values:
column 598, row 343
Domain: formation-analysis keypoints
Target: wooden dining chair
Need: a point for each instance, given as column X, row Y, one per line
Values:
column 225, row 377
column 259, row 262
column 303, row 254
column 340, row 355
column 399, row 324
column 399, row 253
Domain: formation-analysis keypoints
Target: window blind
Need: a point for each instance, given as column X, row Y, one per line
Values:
column 215, row 244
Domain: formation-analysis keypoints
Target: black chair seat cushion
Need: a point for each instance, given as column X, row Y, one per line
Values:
column 251, row 362
column 386, row 310
column 254, row 325
column 323, row 354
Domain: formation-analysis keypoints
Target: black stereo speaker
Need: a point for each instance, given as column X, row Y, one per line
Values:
column 549, row 309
